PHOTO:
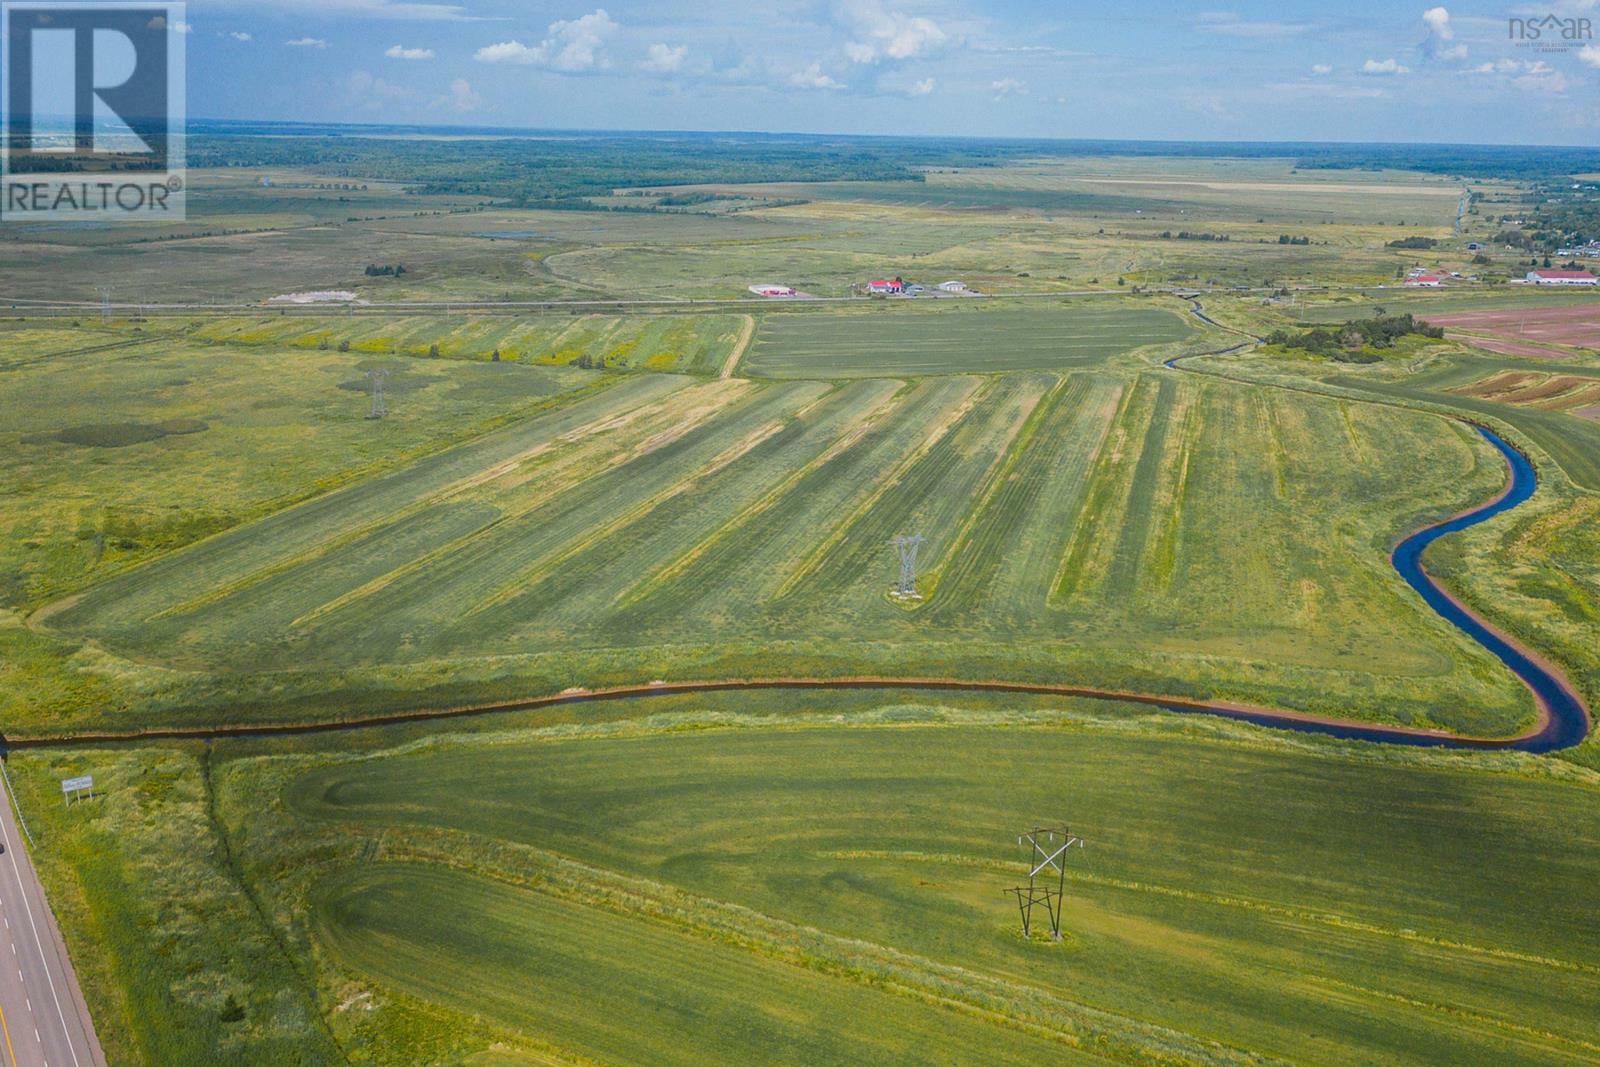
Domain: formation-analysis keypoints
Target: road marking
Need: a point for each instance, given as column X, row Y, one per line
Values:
column 44, row 961
column 7, row 1031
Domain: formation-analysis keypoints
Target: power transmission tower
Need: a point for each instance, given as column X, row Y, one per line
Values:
column 105, row 302
column 376, row 378
column 1047, row 850
column 906, row 588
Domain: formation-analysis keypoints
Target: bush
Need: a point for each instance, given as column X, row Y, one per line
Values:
column 1357, row 341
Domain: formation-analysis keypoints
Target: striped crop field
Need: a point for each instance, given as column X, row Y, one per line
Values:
column 891, row 342
column 680, row 342
column 1140, row 529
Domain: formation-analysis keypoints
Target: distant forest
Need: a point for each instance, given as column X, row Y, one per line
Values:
column 532, row 168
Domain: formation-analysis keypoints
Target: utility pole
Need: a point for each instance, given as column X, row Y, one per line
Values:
column 907, row 547
column 105, row 303
column 380, row 406
column 1047, row 849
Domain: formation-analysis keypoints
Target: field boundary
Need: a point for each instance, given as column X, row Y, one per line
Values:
column 1349, row 729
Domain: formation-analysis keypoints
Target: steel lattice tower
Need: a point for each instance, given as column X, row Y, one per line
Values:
column 1047, row 851
column 908, row 547
column 380, row 405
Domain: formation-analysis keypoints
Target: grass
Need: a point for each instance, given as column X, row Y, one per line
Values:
column 1531, row 570
column 1095, row 517
column 745, row 881
column 889, row 343
column 695, row 344
column 209, row 438
column 808, row 877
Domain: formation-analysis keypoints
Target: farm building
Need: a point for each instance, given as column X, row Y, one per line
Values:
column 886, row 287
column 1561, row 277
column 773, row 290
column 1424, row 281
column 953, row 287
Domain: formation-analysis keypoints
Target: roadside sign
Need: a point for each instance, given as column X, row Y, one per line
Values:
column 76, row 788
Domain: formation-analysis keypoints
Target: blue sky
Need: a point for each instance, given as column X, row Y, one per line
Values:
column 1283, row 71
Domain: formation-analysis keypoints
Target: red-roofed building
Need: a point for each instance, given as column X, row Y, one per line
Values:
column 1428, row 281
column 882, row 286
column 1561, row 277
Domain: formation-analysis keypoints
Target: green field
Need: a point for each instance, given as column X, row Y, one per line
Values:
column 959, row 340
column 203, row 529
column 671, row 528
column 689, row 343
column 820, row 879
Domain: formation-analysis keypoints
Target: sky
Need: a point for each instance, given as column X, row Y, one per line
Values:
column 1352, row 71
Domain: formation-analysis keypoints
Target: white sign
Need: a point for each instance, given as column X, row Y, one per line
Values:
column 72, row 785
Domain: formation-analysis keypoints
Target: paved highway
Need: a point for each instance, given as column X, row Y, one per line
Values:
column 43, row 1019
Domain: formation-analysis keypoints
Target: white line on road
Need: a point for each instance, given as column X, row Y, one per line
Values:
column 44, row 961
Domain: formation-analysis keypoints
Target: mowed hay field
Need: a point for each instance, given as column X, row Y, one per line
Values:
column 687, row 343
column 820, row 879
column 121, row 445
column 1147, row 530
column 892, row 342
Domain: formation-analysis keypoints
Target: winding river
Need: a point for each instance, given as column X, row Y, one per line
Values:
column 1564, row 721
column 1563, row 718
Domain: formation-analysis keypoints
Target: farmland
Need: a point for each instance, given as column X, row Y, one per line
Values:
column 682, row 342
column 1234, row 884
column 605, row 464
column 887, row 344
column 1096, row 512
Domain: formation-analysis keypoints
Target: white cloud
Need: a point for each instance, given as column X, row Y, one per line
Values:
column 370, row 93
column 461, row 98
column 572, row 46
column 1525, row 68
column 921, row 88
column 1321, row 68
column 183, row 27
column 1230, row 24
column 240, row 35
column 1008, row 87
column 1384, row 66
column 1540, row 77
column 307, row 42
column 1589, row 55
column 663, row 58
column 399, row 52
column 1440, row 33
column 878, row 33
column 813, row 77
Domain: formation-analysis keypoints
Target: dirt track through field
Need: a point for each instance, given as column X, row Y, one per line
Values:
column 746, row 333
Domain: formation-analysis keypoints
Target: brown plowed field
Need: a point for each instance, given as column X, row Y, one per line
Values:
column 1576, row 325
